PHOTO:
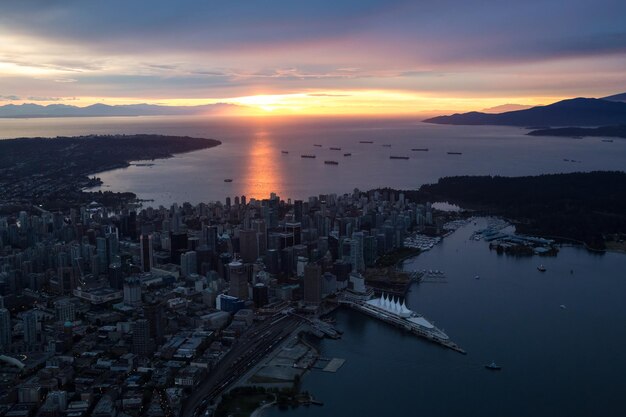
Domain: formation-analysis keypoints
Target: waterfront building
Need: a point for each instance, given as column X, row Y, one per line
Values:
column 312, row 284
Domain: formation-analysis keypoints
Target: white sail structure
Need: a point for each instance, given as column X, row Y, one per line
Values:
column 391, row 305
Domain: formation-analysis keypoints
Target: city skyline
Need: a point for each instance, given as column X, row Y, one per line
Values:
column 279, row 58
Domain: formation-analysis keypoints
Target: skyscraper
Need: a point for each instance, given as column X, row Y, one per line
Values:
column 141, row 337
column 145, row 246
column 312, row 284
column 29, row 321
column 153, row 312
column 238, row 280
column 5, row 329
column 248, row 245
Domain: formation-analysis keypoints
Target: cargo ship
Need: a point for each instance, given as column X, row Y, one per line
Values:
column 307, row 156
column 420, row 149
column 455, row 153
column 398, row 157
column 331, row 162
column 335, row 149
column 284, row 152
column 366, row 141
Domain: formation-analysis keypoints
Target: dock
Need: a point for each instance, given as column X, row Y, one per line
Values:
column 433, row 335
column 334, row 365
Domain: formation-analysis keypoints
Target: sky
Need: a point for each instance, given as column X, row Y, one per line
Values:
column 315, row 57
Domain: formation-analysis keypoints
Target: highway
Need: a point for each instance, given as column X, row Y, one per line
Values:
column 249, row 349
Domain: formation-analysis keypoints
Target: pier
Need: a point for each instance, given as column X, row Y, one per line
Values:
column 406, row 320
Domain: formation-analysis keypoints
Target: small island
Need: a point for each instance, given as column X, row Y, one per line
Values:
column 53, row 172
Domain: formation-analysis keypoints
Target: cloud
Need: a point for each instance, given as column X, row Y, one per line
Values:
column 328, row 95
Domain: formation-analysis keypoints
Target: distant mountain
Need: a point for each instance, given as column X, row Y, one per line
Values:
column 104, row 110
column 506, row 107
column 616, row 97
column 573, row 112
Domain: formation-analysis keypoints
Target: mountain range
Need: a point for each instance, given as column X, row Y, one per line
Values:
column 572, row 112
column 28, row 110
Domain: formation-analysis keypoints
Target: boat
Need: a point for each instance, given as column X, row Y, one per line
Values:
column 398, row 157
column 228, row 180
column 335, row 149
column 477, row 277
column 493, row 367
column 420, row 149
column 284, row 151
column 386, row 145
column 347, row 154
column 366, row 141
column 607, row 140
column 563, row 306
column 318, row 145
column 541, row 268
column 331, row 162
column 455, row 153
column 307, row 156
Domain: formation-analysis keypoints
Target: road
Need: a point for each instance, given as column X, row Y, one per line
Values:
column 250, row 348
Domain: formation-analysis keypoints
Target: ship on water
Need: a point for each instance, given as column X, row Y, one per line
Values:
column 398, row 157
column 285, row 152
column 420, row 149
column 366, row 141
column 335, row 149
column 455, row 153
column 347, row 154
column 307, row 156
column 331, row 162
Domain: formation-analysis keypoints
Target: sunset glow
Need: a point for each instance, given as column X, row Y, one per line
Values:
column 283, row 59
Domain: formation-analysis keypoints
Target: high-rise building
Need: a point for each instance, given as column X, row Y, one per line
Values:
column 132, row 292
column 153, row 312
column 65, row 310
column 312, row 284
column 116, row 276
column 188, row 263
column 142, row 345
column 6, row 329
column 147, row 254
column 248, row 245
column 260, row 295
column 29, row 322
column 238, row 280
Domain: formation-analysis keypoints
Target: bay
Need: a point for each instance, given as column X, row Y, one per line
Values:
column 555, row 361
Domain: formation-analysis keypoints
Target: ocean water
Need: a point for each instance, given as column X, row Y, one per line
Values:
column 555, row 362
column 251, row 155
